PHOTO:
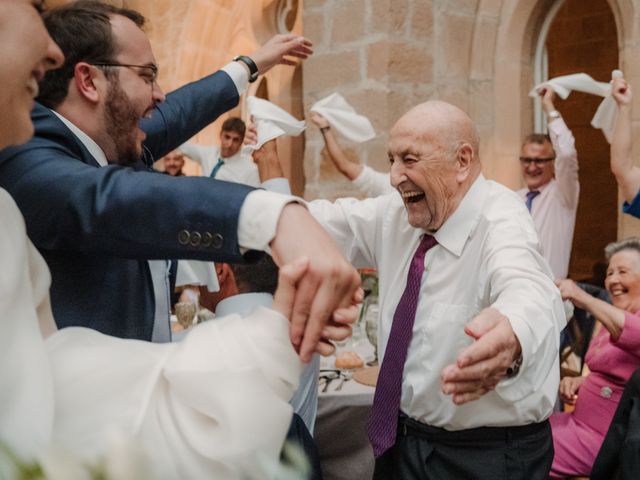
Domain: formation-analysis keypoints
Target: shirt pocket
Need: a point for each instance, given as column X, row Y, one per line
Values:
column 443, row 336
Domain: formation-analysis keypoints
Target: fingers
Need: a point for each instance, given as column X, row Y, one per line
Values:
column 481, row 371
column 482, row 323
column 494, row 336
column 288, row 277
column 346, row 315
column 325, row 348
column 462, row 398
column 302, row 307
column 336, row 332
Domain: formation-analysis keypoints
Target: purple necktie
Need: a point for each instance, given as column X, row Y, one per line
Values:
column 383, row 422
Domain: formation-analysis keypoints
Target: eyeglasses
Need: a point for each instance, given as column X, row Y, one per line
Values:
column 538, row 162
column 150, row 77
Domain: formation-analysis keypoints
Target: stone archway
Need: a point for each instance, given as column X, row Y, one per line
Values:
column 501, row 76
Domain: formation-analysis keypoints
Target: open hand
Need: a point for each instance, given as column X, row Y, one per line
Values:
column 279, row 49
column 481, row 365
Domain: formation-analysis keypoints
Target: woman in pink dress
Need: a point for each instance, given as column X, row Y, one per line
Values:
column 613, row 356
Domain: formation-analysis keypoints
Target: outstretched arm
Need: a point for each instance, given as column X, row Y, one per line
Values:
column 349, row 169
column 627, row 175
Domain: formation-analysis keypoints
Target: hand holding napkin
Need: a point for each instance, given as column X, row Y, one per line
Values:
column 343, row 118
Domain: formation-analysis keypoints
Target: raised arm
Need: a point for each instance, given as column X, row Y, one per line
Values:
column 349, row 169
column 627, row 175
column 566, row 163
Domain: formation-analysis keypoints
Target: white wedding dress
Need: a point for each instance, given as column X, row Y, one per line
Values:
column 212, row 406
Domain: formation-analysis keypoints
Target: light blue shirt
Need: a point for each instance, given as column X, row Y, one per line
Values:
column 305, row 399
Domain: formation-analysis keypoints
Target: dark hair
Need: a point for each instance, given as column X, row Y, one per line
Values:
column 259, row 277
column 234, row 124
column 539, row 138
column 82, row 29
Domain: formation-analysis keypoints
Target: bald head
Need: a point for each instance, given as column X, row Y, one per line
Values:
column 440, row 122
column 433, row 149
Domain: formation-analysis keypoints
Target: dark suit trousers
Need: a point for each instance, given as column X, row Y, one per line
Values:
column 492, row 453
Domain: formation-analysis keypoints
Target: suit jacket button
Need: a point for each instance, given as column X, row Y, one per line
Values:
column 196, row 238
column 207, row 238
column 184, row 237
column 217, row 241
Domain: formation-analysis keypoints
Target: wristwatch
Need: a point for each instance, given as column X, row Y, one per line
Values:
column 514, row 368
column 553, row 114
column 253, row 68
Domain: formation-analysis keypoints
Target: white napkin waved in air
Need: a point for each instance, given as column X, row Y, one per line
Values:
column 581, row 82
column 271, row 122
column 343, row 118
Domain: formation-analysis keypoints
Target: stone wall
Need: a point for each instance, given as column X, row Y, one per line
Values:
column 385, row 56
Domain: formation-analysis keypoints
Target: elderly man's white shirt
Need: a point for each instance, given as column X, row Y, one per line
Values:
column 372, row 182
column 554, row 210
column 487, row 256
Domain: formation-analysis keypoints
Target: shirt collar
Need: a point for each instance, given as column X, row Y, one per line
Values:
column 93, row 148
column 458, row 227
column 243, row 304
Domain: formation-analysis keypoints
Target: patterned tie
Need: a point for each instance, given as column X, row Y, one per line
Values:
column 531, row 194
column 383, row 421
column 216, row 168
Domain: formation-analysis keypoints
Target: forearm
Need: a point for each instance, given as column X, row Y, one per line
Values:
column 612, row 318
column 349, row 169
column 621, row 159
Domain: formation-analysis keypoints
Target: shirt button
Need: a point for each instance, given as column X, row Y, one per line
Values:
column 606, row 392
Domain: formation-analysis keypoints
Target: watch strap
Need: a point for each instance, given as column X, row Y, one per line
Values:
column 253, row 68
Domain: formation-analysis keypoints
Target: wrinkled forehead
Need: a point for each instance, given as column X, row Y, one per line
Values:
column 412, row 135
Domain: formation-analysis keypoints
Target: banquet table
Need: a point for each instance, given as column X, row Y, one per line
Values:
column 345, row 452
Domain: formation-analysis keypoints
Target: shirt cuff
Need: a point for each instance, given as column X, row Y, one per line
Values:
column 259, row 217
column 239, row 76
column 277, row 185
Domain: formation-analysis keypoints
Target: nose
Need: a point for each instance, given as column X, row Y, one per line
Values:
column 54, row 58
column 397, row 174
column 157, row 93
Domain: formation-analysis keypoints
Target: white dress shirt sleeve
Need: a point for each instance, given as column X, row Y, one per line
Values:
column 197, row 153
column 239, row 75
column 566, row 163
column 372, row 182
column 353, row 225
column 521, row 289
column 259, row 217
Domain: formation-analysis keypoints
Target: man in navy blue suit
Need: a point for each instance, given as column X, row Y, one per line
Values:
column 96, row 211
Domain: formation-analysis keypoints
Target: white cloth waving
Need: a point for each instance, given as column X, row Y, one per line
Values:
column 344, row 119
column 271, row 122
column 604, row 117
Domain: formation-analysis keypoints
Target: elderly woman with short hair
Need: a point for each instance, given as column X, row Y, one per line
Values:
column 613, row 356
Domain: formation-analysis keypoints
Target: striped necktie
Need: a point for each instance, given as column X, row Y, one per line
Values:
column 216, row 168
column 383, row 422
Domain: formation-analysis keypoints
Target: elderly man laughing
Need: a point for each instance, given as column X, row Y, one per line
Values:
column 470, row 318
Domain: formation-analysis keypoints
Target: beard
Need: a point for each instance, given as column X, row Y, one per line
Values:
column 121, row 120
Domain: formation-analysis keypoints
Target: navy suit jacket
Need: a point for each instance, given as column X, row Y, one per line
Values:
column 96, row 227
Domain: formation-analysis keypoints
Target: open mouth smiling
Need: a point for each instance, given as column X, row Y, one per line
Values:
column 412, row 197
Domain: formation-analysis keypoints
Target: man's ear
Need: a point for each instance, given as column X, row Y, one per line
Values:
column 87, row 81
column 464, row 161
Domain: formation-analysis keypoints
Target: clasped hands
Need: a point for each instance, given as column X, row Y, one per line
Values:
column 481, row 365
